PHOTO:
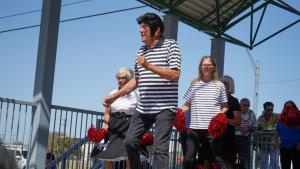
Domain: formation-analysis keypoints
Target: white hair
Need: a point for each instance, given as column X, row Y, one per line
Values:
column 230, row 81
column 126, row 72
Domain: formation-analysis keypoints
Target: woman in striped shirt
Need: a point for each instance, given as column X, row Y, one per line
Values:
column 206, row 97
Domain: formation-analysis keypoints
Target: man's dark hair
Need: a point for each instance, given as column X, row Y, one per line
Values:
column 268, row 104
column 153, row 20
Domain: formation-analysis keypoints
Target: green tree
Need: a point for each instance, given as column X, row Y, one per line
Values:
column 59, row 144
column 18, row 143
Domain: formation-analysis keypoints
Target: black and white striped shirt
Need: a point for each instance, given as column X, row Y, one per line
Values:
column 157, row 93
column 205, row 99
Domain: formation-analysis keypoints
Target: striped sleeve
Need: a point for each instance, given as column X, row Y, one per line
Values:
column 175, row 56
column 188, row 94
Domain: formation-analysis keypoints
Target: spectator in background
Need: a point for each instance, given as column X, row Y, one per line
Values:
column 288, row 128
column 242, row 132
column 7, row 160
column 225, row 147
column 268, row 121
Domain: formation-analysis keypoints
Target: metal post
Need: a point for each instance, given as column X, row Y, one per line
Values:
column 174, row 150
column 256, row 84
column 251, row 144
column 171, row 31
column 43, row 86
column 218, row 52
column 255, row 66
column 98, row 123
column 63, row 163
column 171, row 26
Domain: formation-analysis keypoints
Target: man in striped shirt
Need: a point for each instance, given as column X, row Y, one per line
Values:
column 157, row 71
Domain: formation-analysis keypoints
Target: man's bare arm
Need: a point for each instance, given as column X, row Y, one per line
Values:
column 130, row 86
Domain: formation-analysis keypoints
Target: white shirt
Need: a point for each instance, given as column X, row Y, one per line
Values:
column 126, row 103
column 247, row 120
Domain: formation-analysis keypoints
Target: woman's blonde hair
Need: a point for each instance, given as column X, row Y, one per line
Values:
column 200, row 75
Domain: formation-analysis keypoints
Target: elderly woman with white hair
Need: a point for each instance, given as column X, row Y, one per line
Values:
column 116, row 120
column 226, row 147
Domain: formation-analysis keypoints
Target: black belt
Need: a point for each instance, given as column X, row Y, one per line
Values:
column 120, row 115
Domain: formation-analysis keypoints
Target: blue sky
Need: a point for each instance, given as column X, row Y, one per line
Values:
column 91, row 50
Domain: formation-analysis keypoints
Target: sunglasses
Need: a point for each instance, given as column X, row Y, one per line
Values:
column 207, row 65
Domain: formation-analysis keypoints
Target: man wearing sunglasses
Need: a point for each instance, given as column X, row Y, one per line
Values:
column 269, row 140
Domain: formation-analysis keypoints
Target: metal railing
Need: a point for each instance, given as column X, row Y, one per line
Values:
column 67, row 133
column 15, row 125
column 15, row 120
column 69, row 123
column 68, row 128
column 260, row 142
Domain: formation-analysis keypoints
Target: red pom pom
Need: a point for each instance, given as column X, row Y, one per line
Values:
column 179, row 122
column 217, row 125
column 215, row 166
column 96, row 135
column 91, row 132
column 147, row 139
column 100, row 134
